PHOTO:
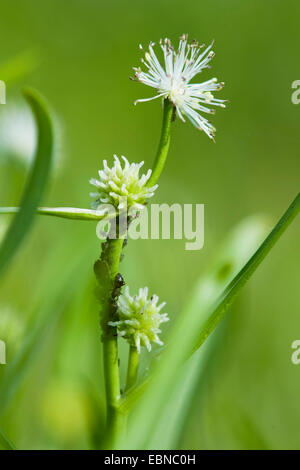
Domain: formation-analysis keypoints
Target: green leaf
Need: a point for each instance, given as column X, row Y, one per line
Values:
column 62, row 212
column 5, row 443
column 36, row 183
column 193, row 327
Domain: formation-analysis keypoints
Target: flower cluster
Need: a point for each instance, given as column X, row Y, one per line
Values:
column 172, row 80
column 117, row 184
column 140, row 318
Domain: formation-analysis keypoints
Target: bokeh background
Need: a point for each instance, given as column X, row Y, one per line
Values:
column 79, row 55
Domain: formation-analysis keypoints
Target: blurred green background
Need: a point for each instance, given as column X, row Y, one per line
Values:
column 84, row 49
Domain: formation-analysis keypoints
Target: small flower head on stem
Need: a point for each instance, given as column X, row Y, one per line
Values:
column 116, row 183
column 140, row 318
column 172, row 80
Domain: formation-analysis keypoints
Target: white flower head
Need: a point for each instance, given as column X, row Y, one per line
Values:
column 117, row 183
column 173, row 80
column 140, row 318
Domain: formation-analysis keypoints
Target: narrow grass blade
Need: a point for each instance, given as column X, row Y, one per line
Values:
column 62, row 212
column 5, row 443
column 215, row 314
column 192, row 328
column 36, row 183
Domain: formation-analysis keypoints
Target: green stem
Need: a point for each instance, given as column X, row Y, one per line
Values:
column 116, row 421
column 133, row 367
column 63, row 212
column 164, row 143
column 116, row 415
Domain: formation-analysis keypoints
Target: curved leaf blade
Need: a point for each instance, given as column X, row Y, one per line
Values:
column 36, row 183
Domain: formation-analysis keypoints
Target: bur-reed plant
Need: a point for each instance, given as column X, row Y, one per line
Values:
column 137, row 413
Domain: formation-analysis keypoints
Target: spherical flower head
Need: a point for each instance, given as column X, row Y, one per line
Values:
column 140, row 318
column 172, row 80
column 118, row 184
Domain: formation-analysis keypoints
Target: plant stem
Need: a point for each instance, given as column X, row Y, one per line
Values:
column 63, row 212
column 133, row 367
column 110, row 259
column 116, row 420
column 164, row 143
